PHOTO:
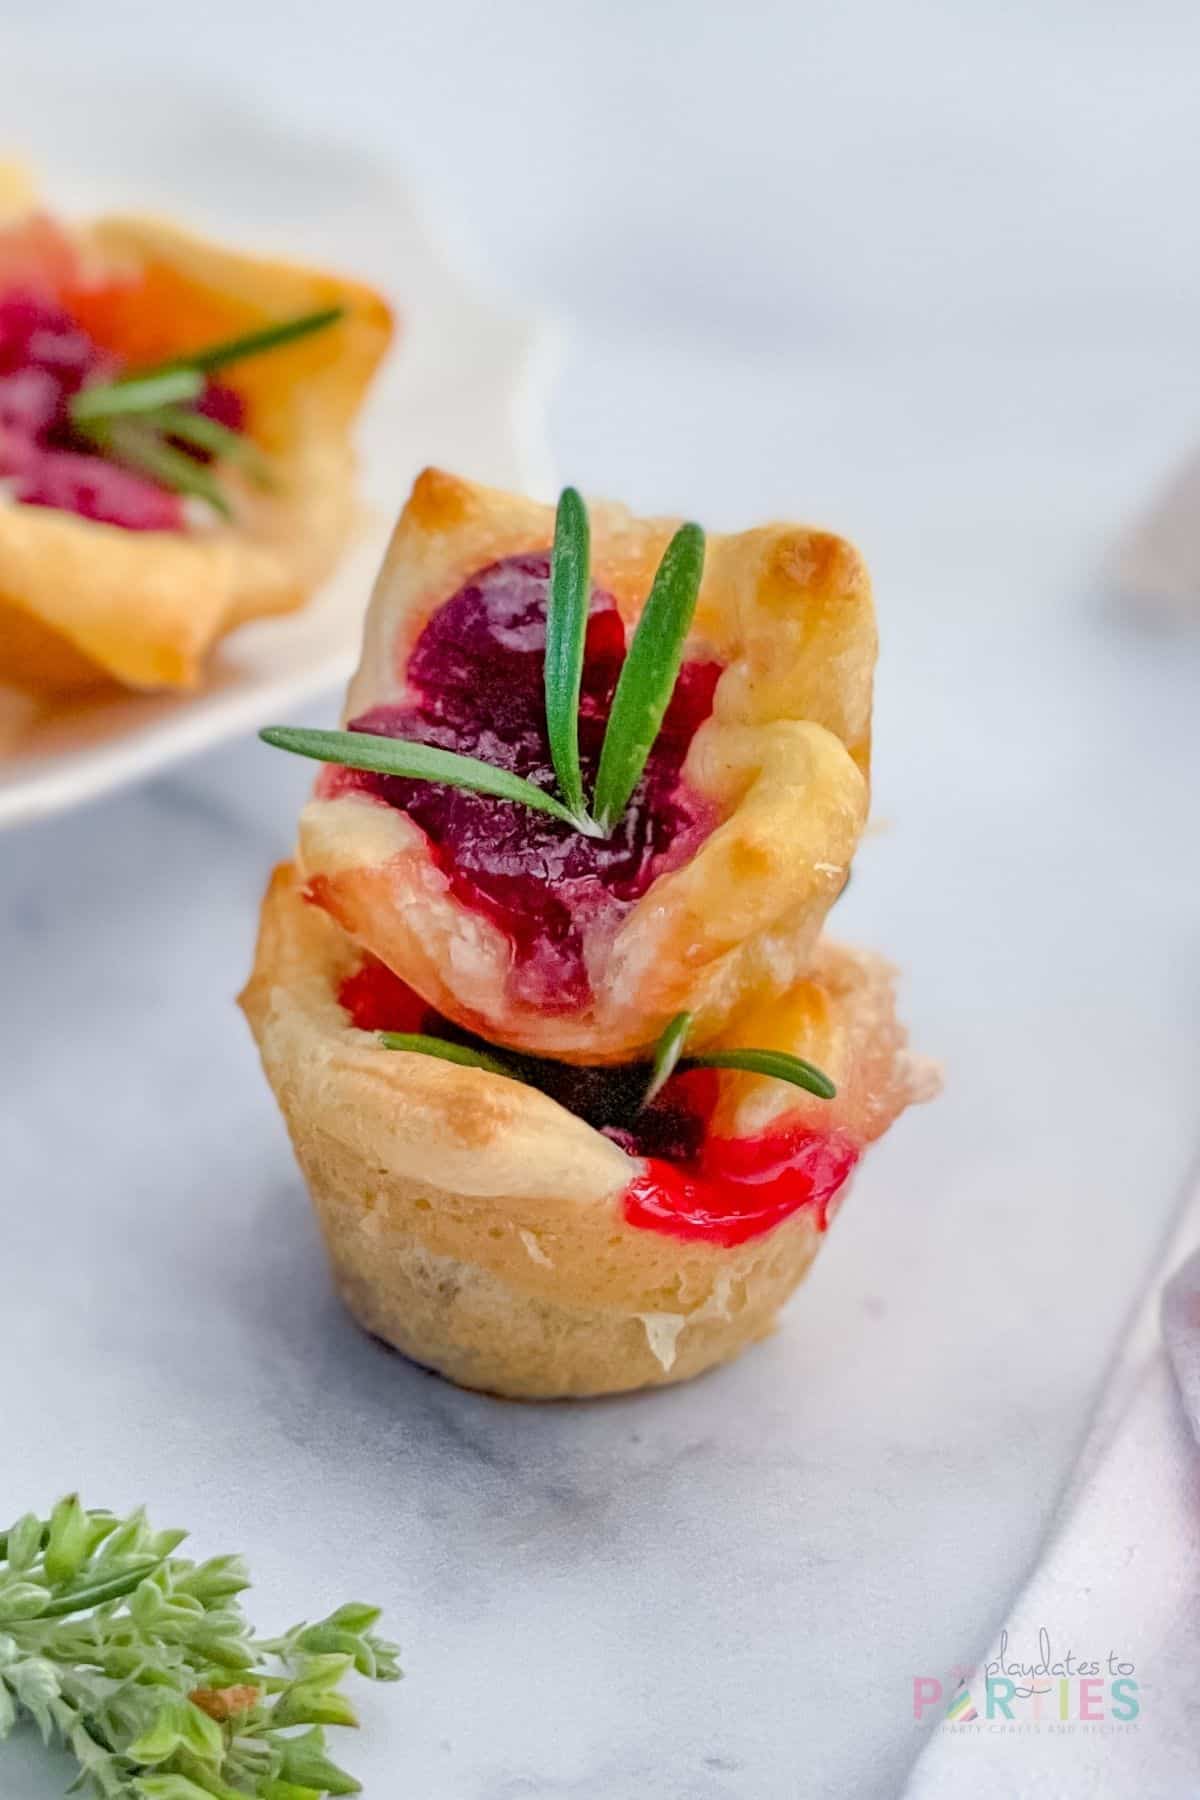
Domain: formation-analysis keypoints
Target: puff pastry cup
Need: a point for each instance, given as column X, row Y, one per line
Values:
column 520, row 1185
column 84, row 604
column 781, row 764
column 478, row 1226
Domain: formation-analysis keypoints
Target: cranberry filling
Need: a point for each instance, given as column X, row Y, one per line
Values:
column 737, row 1188
column 693, row 1185
column 45, row 358
column 477, row 684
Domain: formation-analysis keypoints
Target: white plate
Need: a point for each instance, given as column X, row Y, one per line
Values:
column 464, row 388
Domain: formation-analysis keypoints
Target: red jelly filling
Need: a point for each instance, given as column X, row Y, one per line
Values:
column 45, row 358
column 737, row 1188
column 476, row 679
column 693, row 1184
column 377, row 1000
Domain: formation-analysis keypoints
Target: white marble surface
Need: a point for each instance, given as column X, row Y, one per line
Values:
column 930, row 279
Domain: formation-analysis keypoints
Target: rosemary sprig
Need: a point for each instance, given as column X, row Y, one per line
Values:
column 779, row 1065
column 644, row 689
column 182, row 377
column 143, row 1666
column 133, row 418
column 136, row 394
column 447, row 1051
column 648, row 674
column 203, row 433
column 669, row 1059
column 666, row 1055
column 566, row 634
column 251, row 343
column 139, row 446
column 415, row 762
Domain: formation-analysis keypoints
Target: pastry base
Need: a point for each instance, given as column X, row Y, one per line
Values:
column 465, row 1323
column 476, row 1225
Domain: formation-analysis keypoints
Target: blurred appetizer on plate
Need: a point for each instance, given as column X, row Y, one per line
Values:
column 175, row 443
column 576, row 1082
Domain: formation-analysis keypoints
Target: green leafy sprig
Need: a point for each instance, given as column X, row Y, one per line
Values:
column 648, row 675
column 779, row 1065
column 142, row 445
column 566, row 636
column 140, row 419
column 668, row 1060
column 135, row 394
column 667, row 1052
column 446, row 1050
column 252, row 343
column 419, row 762
column 143, row 1666
column 644, row 689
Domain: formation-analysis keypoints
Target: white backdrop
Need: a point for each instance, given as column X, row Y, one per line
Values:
column 927, row 274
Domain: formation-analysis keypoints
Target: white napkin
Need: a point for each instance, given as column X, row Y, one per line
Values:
column 1158, row 565
column 1118, row 1578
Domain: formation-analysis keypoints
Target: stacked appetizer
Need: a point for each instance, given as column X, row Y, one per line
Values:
column 575, row 1081
column 174, row 443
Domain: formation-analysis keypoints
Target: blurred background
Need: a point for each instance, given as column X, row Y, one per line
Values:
column 926, row 274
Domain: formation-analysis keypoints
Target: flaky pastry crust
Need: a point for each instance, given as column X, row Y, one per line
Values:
column 783, row 760
column 82, row 603
column 477, row 1226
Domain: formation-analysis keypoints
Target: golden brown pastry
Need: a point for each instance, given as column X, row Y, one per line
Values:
column 575, row 1085
column 488, row 1232
column 105, row 573
column 775, row 772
